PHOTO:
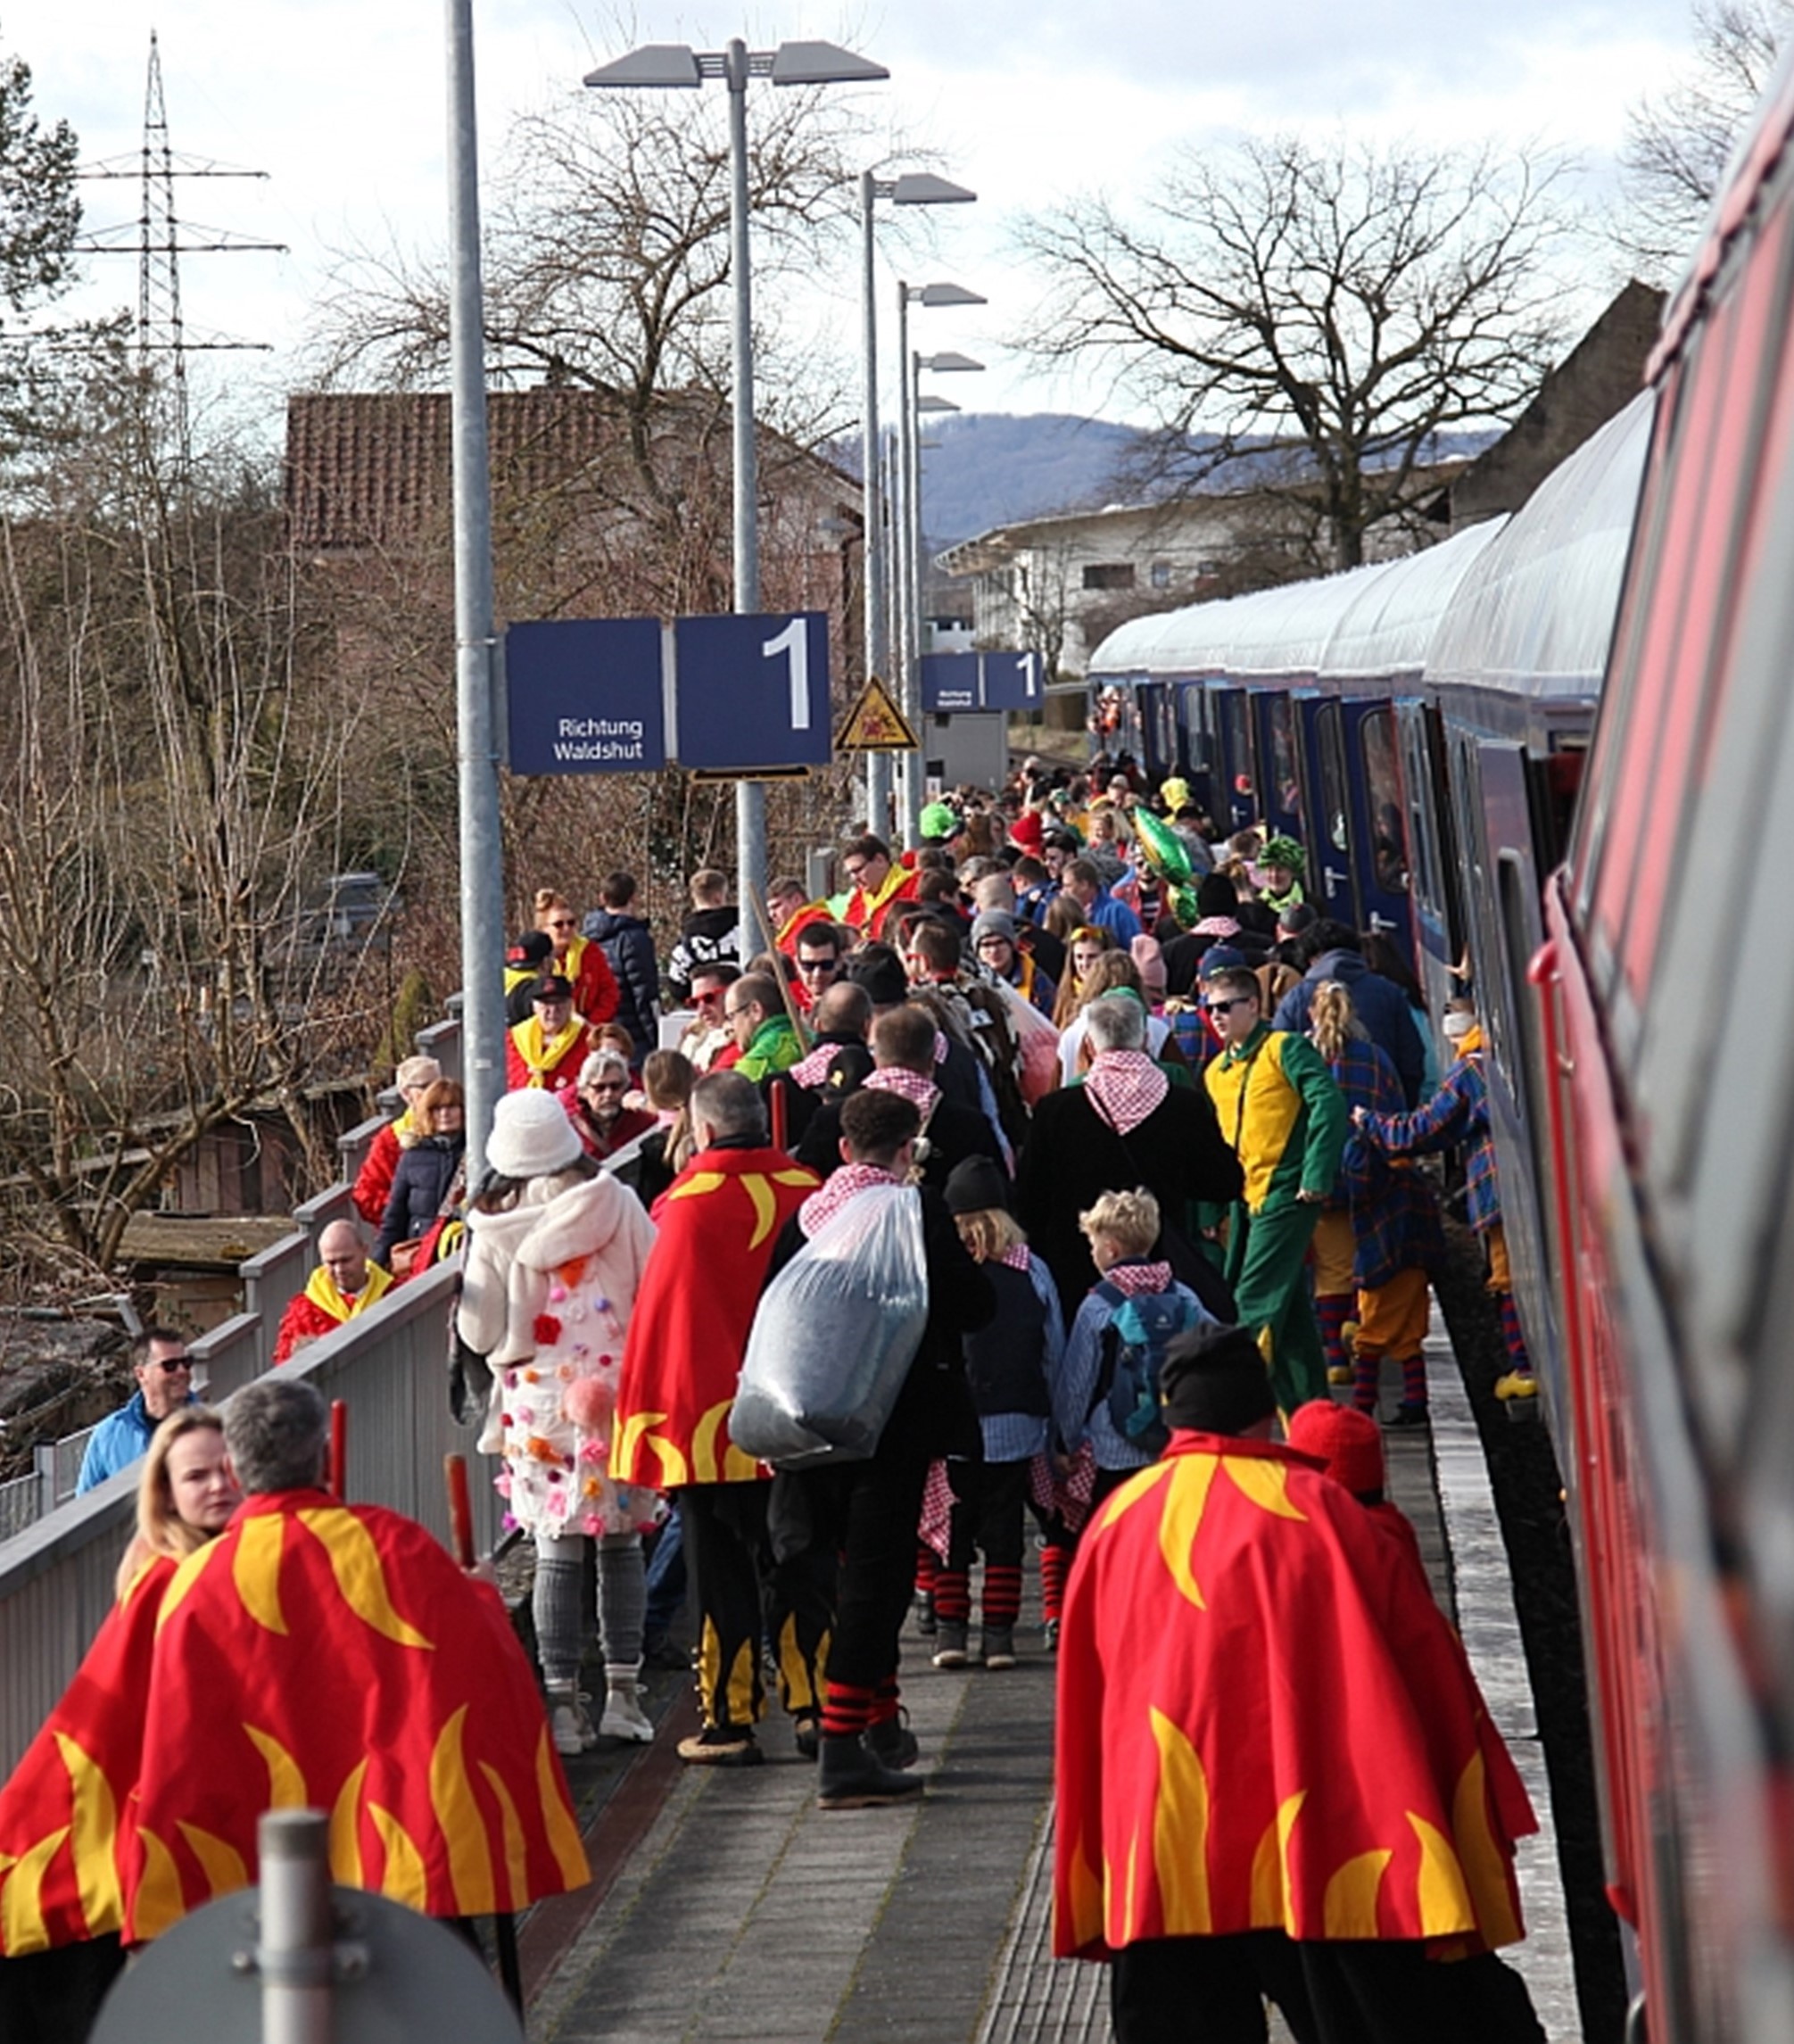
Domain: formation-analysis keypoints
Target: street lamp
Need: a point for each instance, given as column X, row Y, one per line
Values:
column 914, row 188
column 674, row 65
column 909, row 524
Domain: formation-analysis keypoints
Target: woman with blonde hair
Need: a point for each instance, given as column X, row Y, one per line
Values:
column 1085, row 945
column 580, row 960
column 1377, row 1233
column 186, row 1492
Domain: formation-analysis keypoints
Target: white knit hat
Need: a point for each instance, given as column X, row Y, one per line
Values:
column 531, row 1136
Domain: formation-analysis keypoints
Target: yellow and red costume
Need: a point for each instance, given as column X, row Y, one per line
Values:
column 793, row 927
column 334, row 1657
column 1265, row 1724
column 62, row 1868
column 549, row 1063
column 716, row 1224
column 867, row 911
column 321, row 1308
column 594, row 984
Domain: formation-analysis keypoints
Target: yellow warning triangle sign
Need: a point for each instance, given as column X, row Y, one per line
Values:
column 875, row 723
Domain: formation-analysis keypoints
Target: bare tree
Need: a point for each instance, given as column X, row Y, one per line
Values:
column 1678, row 142
column 1314, row 319
column 176, row 783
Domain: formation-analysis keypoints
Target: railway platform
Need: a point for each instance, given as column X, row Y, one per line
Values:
column 728, row 1909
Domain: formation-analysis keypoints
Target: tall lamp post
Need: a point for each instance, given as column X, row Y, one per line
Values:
column 674, row 65
column 914, row 188
column 907, row 525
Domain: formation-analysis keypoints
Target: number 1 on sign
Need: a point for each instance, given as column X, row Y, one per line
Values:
column 795, row 642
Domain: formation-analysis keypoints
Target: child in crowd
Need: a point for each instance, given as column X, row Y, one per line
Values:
column 1009, row 1364
column 1106, row 1392
column 1349, row 1444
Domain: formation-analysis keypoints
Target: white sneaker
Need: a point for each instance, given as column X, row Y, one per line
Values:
column 624, row 1716
column 568, row 1724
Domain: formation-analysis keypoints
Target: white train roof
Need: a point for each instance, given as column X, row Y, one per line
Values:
column 1536, row 613
column 1526, row 601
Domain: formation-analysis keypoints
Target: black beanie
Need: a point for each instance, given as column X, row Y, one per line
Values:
column 879, row 971
column 976, row 1185
column 1214, row 1381
column 1216, row 895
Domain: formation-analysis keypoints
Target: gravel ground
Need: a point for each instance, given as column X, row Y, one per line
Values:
column 1529, row 1498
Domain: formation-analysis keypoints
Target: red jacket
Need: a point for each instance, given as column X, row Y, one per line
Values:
column 594, row 984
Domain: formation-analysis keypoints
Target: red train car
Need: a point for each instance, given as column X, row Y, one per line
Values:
column 1667, row 1032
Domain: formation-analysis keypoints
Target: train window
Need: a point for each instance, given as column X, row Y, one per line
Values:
column 1383, row 796
column 1238, row 723
column 1285, row 778
column 1199, row 735
column 1334, row 798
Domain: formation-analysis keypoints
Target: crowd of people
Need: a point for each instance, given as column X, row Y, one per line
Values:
column 1137, row 1136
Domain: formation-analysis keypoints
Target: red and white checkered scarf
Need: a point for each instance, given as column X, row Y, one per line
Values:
column 822, row 1207
column 811, row 1071
column 1124, row 1087
column 921, row 1093
column 1016, row 1258
column 1130, row 1279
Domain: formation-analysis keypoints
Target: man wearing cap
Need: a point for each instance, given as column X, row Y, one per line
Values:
column 164, row 1373
column 373, row 1186
column 878, row 882
column 994, row 944
column 545, row 1052
column 345, row 1283
column 1230, row 1828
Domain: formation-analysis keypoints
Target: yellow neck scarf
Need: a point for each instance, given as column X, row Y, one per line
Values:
column 540, row 1054
column 320, row 1288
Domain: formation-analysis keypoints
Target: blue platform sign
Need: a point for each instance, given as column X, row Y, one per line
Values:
column 753, row 691
column 1013, row 681
column 584, row 696
column 952, row 682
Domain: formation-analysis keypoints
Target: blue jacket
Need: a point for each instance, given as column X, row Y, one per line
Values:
column 120, row 1439
column 1106, row 913
column 1380, row 1005
column 629, row 946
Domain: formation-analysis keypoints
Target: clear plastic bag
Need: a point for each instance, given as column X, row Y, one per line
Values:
column 834, row 1336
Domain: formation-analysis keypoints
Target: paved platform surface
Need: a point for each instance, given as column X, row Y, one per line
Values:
column 730, row 1911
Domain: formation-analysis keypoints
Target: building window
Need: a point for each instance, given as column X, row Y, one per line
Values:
column 1110, row 574
column 1161, row 575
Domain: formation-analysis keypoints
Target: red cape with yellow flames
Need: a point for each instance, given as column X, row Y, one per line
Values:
column 1266, row 1724
column 716, row 1224
column 333, row 1656
column 60, row 1865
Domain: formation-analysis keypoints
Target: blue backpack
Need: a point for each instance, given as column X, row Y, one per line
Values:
column 1140, row 1330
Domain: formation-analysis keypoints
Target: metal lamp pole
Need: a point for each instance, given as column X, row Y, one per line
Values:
column 676, row 65
column 915, row 188
column 910, row 767
column 482, row 851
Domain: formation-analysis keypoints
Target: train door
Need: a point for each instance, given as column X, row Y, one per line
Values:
column 1239, row 791
column 1438, row 913
column 1380, row 829
column 1158, row 743
column 1280, row 797
column 1327, row 806
column 1196, row 726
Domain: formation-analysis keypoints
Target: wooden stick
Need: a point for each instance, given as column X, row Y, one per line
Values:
column 461, row 1509
column 339, row 1448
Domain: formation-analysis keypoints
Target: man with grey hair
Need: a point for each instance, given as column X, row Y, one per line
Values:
column 1124, row 1126
column 335, row 1655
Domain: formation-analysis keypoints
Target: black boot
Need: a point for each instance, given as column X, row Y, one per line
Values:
column 851, row 1778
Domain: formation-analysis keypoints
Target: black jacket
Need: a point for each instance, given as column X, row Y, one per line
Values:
column 1073, row 1156
column 710, row 937
column 629, row 946
column 419, row 1187
column 954, row 1134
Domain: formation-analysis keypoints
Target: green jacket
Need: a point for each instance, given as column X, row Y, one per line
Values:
column 1283, row 1112
column 773, row 1047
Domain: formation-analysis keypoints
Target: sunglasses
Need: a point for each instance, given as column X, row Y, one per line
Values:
column 561, row 922
column 1222, row 1007
column 819, row 964
column 170, row 1364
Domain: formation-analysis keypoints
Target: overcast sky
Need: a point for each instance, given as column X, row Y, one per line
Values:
column 341, row 102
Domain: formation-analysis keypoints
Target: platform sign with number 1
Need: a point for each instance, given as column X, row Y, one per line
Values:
column 753, row 691
column 1012, row 681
